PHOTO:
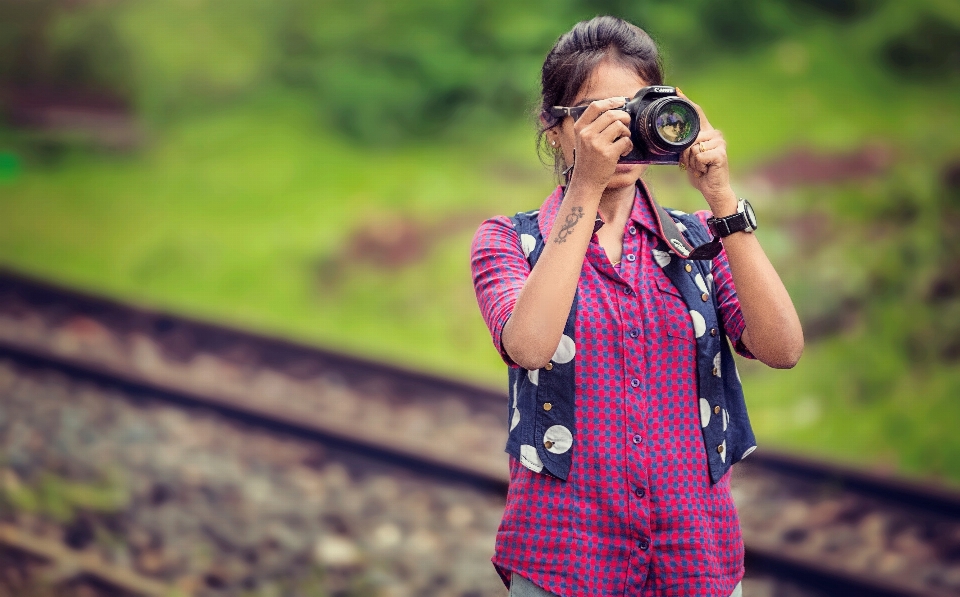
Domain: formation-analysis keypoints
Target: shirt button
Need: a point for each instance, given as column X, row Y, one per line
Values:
column 705, row 296
column 713, row 331
column 635, row 383
column 627, row 290
column 716, row 410
column 634, row 333
column 644, row 544
column 639, row 492
column 633, row 229
column 637, row 439
column 688, row 267
column 548, row 366
column 631, row 257
column 548, row 406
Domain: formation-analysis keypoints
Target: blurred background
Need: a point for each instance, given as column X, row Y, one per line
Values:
column 316, row 170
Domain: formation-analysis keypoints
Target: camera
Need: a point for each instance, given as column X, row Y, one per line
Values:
column 662, row 125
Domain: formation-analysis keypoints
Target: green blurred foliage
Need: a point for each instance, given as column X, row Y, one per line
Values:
column 385, row 71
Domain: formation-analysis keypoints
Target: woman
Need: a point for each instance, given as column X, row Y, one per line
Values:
column 625, row 412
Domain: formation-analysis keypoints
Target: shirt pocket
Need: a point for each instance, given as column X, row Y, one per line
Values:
column 674, row 316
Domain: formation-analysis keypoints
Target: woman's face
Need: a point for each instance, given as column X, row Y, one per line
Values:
column 608, row 80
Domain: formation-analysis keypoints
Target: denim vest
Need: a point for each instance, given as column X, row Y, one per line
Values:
column 544, row 439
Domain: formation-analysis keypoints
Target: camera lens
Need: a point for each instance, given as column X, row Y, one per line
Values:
column 669, row 125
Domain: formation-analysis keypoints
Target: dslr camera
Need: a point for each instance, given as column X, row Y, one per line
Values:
column 662, row 125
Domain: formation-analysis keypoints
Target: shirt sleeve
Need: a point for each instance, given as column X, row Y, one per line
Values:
column 728, row 304
column 500, row 269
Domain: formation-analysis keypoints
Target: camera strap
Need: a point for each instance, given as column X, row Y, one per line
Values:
column 677, row 242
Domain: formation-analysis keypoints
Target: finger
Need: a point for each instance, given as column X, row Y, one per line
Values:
column 705, row 142
column 605, row 120
column 623, row 145
column 704, row 123
column 599, row 108
column 708, row 144
column 711, row 158
column 709, row 136
column 687, row 157
column 614, row 131
column 688, row 154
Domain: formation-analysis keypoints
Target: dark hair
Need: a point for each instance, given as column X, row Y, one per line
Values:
column 575, row 56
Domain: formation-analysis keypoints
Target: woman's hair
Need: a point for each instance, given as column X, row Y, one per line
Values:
column 575, row 56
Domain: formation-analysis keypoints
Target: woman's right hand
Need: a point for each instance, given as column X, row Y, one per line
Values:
column 602, row 136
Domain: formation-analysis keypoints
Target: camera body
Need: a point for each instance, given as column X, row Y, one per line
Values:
column 662, row 125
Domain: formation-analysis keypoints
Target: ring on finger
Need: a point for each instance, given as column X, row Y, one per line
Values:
column 683, row 166
column 701, row 147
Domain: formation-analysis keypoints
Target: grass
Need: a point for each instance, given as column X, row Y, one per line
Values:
column 228, row 217
column 234, row 215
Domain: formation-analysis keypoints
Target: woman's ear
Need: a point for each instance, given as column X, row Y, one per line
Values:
column 552, row 132
column 553, row 137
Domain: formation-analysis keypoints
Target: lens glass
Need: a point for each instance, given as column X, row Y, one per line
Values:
column 674, row 122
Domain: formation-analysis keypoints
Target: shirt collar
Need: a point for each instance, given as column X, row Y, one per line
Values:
column 642, row 213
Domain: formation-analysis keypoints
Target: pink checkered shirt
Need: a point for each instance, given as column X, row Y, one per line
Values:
column 638, row 514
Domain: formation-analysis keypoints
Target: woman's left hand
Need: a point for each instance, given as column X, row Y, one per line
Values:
column 707, row 167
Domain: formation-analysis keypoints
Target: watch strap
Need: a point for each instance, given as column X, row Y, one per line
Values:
column 723, row 227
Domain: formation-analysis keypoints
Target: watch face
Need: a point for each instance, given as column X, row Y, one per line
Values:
column 751, row 217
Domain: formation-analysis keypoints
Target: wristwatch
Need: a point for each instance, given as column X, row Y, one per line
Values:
column 742, row 221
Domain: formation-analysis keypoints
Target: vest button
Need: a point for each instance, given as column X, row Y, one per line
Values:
column 716, row 373
column 548, row 366
column 548, row 444
column 548, row 406
column 716, row 410
column 713, row 331
column 720, row 449
column 705, row 297
column 688, row 267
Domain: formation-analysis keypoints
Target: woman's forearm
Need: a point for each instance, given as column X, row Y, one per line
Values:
column 533, row 332
column 773, row 332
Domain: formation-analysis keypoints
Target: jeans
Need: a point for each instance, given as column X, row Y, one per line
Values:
column 521, row 587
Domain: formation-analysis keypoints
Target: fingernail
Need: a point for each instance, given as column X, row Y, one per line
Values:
column 678, row 91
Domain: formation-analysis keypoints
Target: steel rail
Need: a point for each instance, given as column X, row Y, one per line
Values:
column 919, row 494
column 475, row 470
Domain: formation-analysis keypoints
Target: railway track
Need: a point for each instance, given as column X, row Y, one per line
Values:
column 832, row 530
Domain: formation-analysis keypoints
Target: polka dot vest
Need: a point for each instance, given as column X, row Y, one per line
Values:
column 542, row 414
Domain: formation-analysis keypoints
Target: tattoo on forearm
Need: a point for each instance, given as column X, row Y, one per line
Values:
column 572, row 218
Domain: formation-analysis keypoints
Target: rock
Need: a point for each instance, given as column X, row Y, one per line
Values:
column 386, row 536
column 336, row 551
